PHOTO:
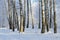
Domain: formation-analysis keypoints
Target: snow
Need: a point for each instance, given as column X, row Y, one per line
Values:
column 7, row 34
column 30, row 34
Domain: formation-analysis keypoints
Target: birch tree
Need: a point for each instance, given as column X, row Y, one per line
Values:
column 39, row 15
column 54, row 12
column 50, row 13
column 31, row 15
column 21, row 17
column 17, row 21
column 24, row 17
column 43, row 17
column 14, row 15
column 46, row 15
column 27, row 13
column 10, row 14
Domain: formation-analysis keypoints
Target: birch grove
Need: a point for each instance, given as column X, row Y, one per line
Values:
column 46, row 7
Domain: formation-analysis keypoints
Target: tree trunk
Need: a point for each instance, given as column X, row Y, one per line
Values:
column 54, row 11
column 31, row 15
column 21, row 17
column 46, row 15
column 17, row 21
column 24, row 17
column 39, row 15
column 27, row 13
column 14, row 15
column 50, row 13
column 43, row 17
column 16, row 18
column 10, row 14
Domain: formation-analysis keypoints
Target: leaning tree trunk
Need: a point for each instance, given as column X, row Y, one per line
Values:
column 54, row 12
column 31, row 15
column 27, row 13
column 46, row 15
column 50, row 13
column 21, row 17
column 43, row 17
column 39, row 15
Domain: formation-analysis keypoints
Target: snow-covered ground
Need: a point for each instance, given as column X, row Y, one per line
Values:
column 30, row 34
column 6, row 34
